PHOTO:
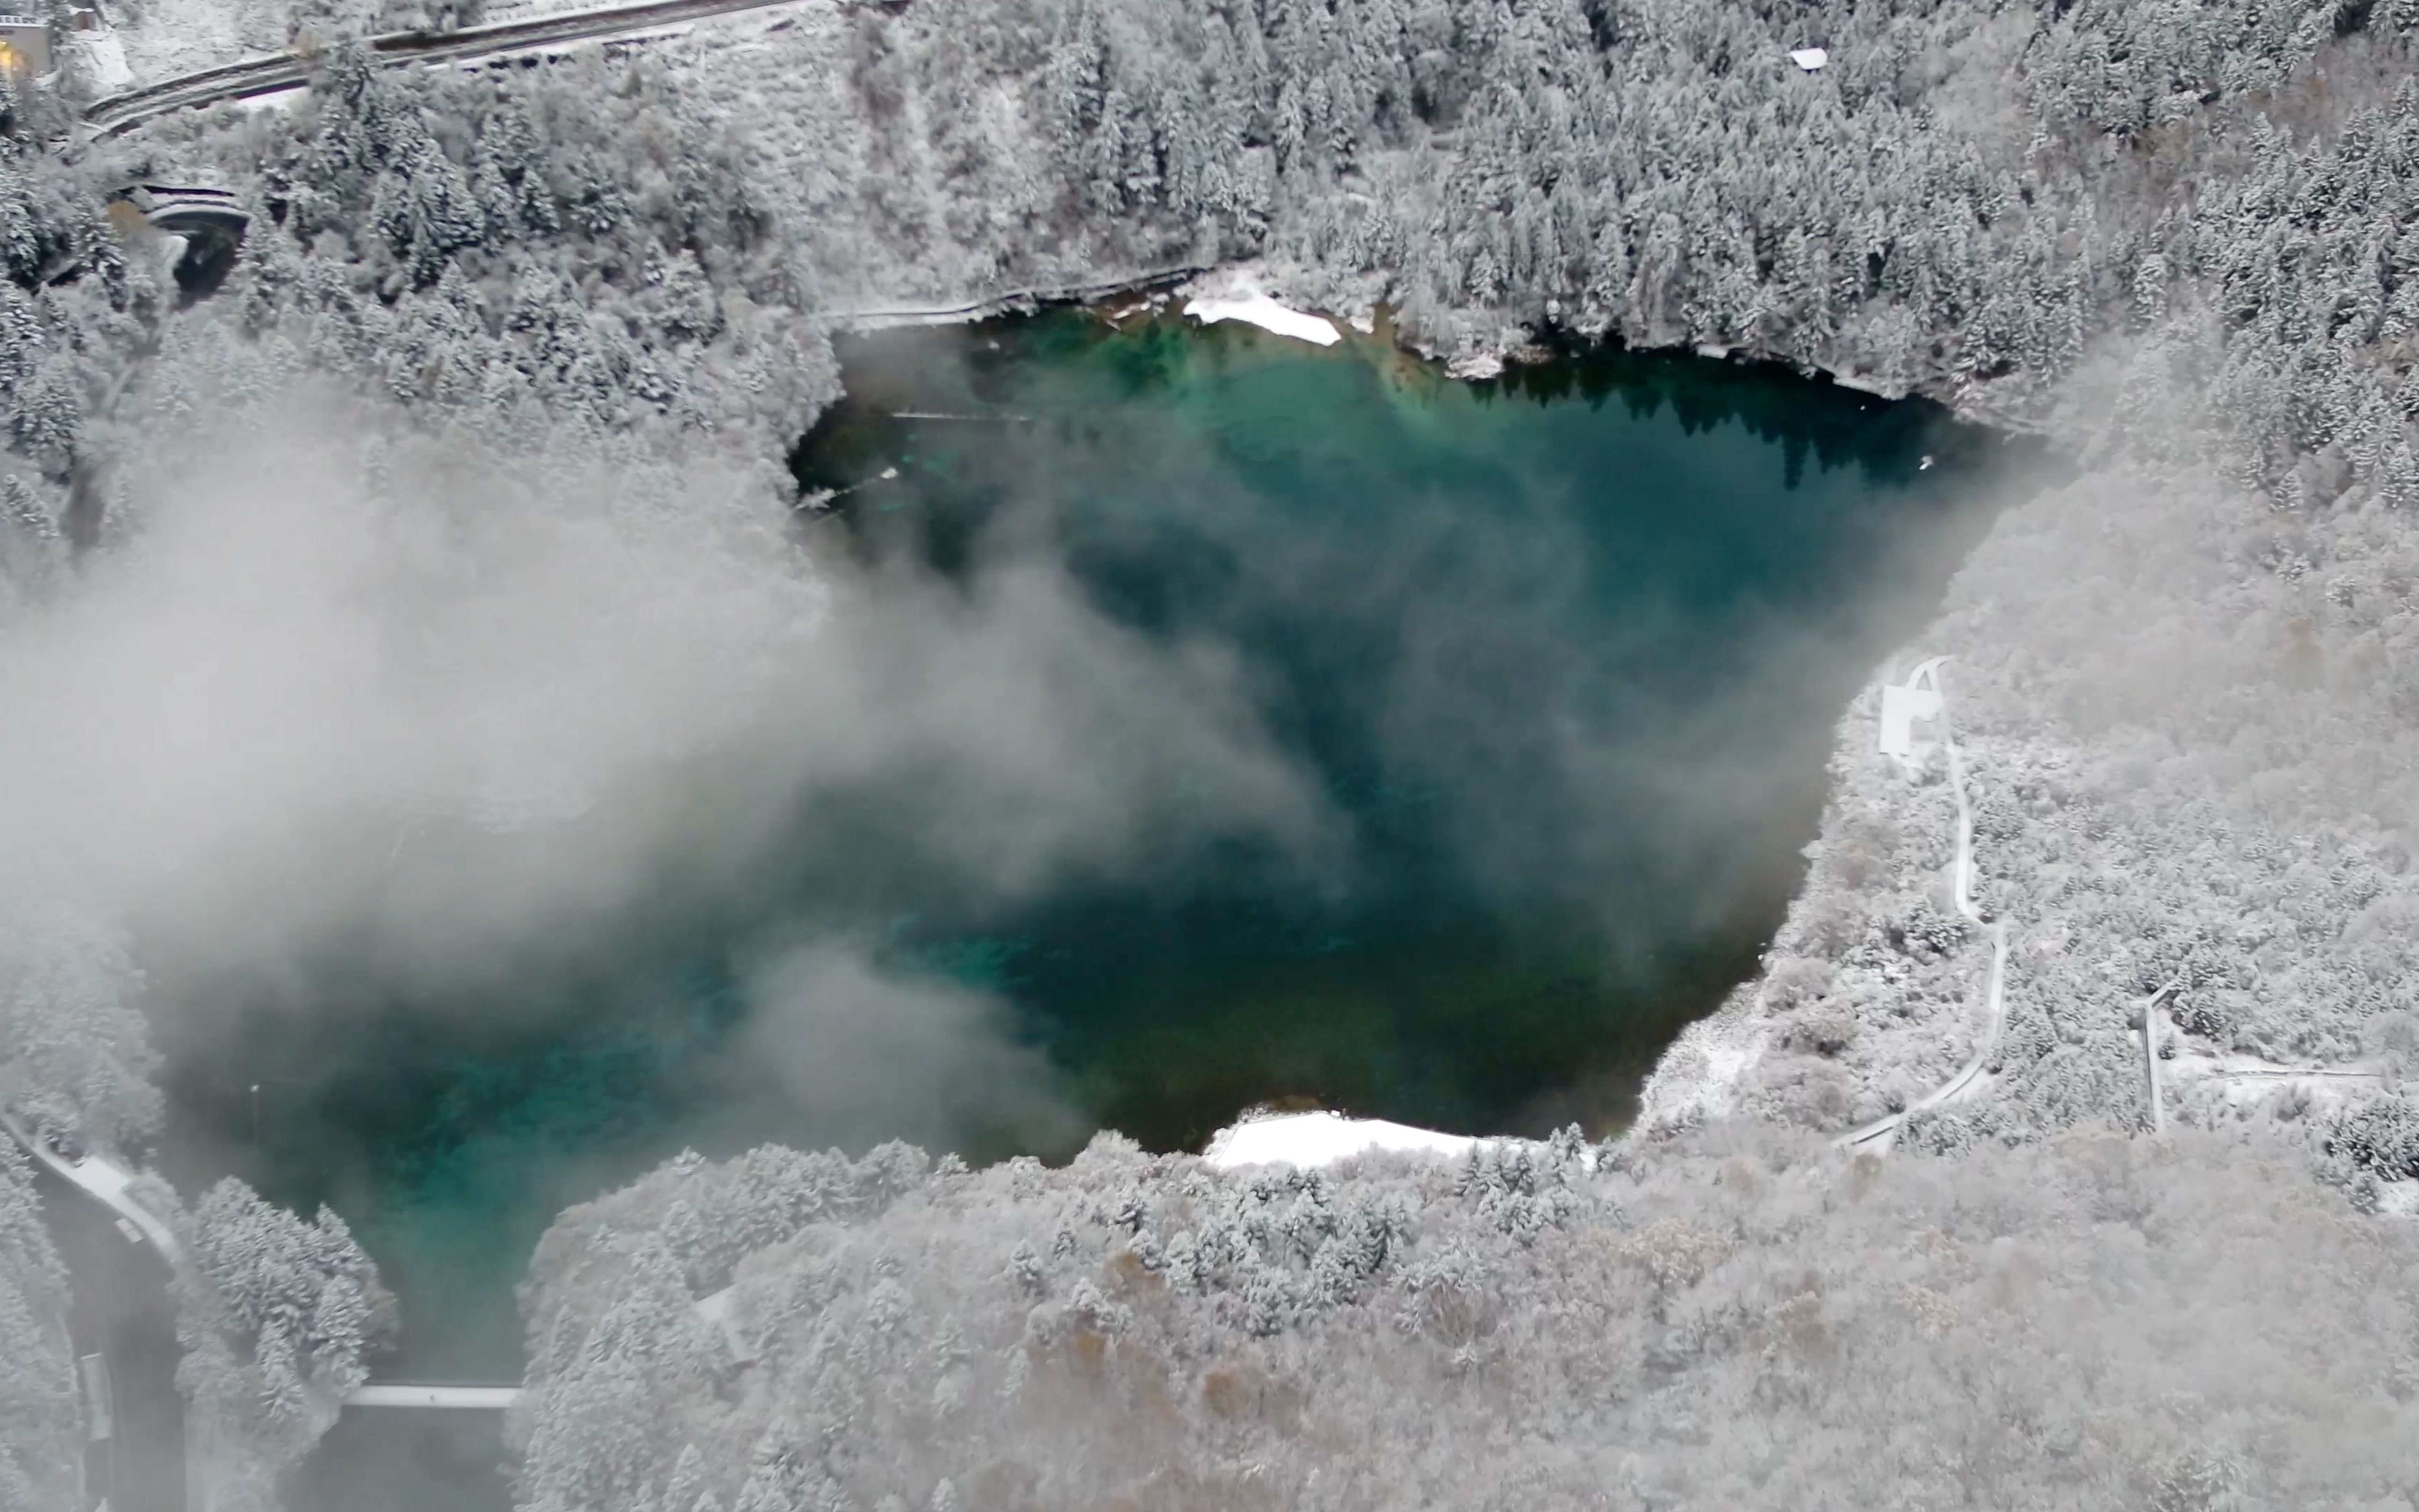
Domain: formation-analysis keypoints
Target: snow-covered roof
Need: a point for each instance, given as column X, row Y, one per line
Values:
column 1810, row 58
column 1901, row 708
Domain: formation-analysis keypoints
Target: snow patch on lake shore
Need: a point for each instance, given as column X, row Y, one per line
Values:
column 1237, row 296
column 1309, row 1140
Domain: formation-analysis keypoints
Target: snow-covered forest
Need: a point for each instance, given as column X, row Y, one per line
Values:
column 277, row 1316
column 1737, row 1319
column 42, row 1437
column 2174, row 237
column 2170, row 237
column 1969, row 201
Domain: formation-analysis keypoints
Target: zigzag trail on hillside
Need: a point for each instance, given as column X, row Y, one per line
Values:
column 2153, row 1019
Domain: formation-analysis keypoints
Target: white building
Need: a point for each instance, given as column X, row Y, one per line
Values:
column 1919, row 698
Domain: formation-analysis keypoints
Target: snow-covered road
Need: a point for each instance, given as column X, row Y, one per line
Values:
column 258, row 76
column 119, row 1258
column 104, row 1180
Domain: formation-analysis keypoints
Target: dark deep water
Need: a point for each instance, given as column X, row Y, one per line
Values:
column 1565, row 650
column 1559, row 656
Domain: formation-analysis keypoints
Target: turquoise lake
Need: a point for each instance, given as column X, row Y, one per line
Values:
column 1555, row 658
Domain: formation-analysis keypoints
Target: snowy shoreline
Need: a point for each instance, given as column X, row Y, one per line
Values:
column 1309, row 1141
column 1235, row 294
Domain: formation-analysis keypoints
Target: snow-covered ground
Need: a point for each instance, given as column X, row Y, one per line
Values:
column 98, row 59
column 2197, row 1075
column 1308, row 1140
column 1236, row 295
column 498, row 11
column 1699, row 1076
column 281, row 100
column 174, row 37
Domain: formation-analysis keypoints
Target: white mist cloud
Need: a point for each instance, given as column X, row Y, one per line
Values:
column 881, row 1054
column 415, row 704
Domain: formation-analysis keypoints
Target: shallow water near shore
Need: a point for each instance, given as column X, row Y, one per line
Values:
column 1551, row 664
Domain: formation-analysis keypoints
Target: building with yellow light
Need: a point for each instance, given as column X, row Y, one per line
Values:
column 24, row 44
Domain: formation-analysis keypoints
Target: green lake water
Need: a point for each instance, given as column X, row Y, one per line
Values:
column 1557, row 656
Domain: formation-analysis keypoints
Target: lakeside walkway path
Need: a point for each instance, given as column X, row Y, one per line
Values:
column 1009, row 300
column 1923, row 690
column 1923, row 697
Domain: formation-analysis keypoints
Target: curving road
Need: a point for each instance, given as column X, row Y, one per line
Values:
column 120, row 1258
column 1879, row 1134
column 121, row 1310
column 286, row 71
column 105, row 1182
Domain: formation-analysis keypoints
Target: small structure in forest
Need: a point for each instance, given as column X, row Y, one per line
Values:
column 1919, row 698
column 1810, row 58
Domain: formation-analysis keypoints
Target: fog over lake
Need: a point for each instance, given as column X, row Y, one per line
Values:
column 1199, row 720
